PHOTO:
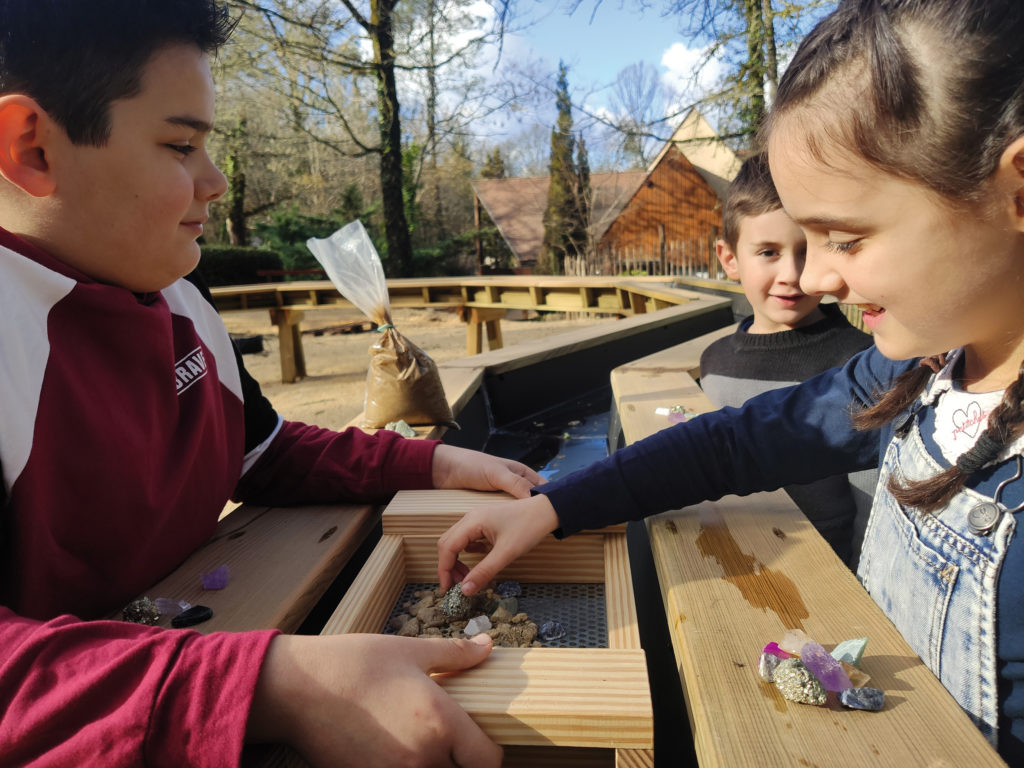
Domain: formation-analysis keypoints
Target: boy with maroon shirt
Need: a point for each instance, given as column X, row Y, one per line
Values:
column 115, row 466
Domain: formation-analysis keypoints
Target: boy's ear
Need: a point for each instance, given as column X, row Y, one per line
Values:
column 727, row 258
column 23, row 159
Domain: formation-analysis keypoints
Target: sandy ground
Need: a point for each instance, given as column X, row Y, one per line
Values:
column 332, row 394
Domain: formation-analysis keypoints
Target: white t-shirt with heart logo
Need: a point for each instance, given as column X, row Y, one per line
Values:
column 961, row 417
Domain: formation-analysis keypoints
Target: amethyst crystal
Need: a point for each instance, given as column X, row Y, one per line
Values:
column 825, row 667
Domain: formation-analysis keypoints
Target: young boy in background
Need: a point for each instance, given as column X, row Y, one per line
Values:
column 790, row 337
column 115, row 469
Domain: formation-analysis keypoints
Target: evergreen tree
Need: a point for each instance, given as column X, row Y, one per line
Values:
column 494, row 165
column 562, row 205
column 580, row 233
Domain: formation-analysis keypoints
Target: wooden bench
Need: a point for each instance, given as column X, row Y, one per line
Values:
column 736, row 574
column 273, row 275
column 481, row 302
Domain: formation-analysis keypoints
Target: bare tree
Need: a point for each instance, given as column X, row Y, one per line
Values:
column 318, row 51
column 641, row 102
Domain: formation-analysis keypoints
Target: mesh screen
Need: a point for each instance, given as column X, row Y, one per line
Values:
column 579, row 608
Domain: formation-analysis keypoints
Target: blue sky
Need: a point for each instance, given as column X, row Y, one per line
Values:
column 597, row 43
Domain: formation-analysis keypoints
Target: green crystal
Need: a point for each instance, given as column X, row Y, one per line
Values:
column 850, row 651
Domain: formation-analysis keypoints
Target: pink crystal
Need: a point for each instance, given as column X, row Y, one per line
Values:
column 825, row 667
column 794, row 641
column 774, row 650
column 218, row 578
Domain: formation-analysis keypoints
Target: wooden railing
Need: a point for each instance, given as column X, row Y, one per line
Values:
column 481, row 303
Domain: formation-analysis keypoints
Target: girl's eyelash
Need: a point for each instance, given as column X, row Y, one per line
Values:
column 185, row 149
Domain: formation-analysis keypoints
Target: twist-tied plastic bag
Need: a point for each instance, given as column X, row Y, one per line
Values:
column 402, row 382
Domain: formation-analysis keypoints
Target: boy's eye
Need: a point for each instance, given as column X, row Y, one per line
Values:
column 768, row 253
column 184, row 149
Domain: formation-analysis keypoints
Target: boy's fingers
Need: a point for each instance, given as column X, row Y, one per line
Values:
column 449, row 655
column 474, row 748
column 471, row 746
column 517, row 485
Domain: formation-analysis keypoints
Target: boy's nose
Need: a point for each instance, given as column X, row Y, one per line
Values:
column 789, row 269
column 210, row 183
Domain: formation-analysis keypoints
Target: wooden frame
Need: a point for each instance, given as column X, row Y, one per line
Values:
column 594, row 699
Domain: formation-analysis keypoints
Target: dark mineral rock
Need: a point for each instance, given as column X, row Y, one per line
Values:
column 141, row 611
column 456, row 605
column 870, row 699
column 197, row 614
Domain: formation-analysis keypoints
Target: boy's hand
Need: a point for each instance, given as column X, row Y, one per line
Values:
column 507, row 528
column 462, row 468
column 363, row 699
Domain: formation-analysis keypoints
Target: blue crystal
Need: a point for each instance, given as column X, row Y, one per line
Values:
column 509, row 589
column 551, row 630
column 870, row 699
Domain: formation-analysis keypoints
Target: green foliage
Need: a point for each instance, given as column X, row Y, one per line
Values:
column 410, row 185
column 494, row 165
column 288, row 230
column 234, row 264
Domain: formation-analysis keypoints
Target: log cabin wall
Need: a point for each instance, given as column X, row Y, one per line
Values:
column 675, row 215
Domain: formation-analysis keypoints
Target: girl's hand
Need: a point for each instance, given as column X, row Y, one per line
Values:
column 358, row 700
column 507, row 529
column 462, row 468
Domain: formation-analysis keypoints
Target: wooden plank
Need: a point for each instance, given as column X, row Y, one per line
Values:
column 289, row 334
column 557, row 757
column 280, row 561
column 683, row 357
column 575, row 697
column 736, row 574
column 623, row 628
column 432, row 512
column 532, row 352
column 371, row 596
column 577, row 560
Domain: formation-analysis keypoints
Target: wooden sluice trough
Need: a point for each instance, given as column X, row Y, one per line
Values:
column 591, row 702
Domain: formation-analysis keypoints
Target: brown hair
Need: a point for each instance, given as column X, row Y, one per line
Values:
column 931, row 91
column 751, row 193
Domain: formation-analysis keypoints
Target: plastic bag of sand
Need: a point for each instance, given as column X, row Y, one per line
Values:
column 402, row 382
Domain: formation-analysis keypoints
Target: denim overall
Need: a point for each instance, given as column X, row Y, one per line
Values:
column 936, row 581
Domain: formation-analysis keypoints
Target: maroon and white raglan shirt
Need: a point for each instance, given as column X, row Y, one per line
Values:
column 126, row 423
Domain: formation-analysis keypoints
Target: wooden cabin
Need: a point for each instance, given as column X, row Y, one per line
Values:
column 663, row 220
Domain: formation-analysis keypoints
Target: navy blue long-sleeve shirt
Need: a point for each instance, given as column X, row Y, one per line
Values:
column 791, row 435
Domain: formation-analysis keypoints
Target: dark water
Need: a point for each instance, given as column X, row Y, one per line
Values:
column 559, row 440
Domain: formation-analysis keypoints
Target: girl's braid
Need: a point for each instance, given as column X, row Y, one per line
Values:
column 1005, row 424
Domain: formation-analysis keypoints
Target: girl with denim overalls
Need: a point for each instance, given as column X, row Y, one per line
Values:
column 896, row 141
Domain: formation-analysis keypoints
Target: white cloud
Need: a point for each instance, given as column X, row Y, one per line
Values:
column 687, row 72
